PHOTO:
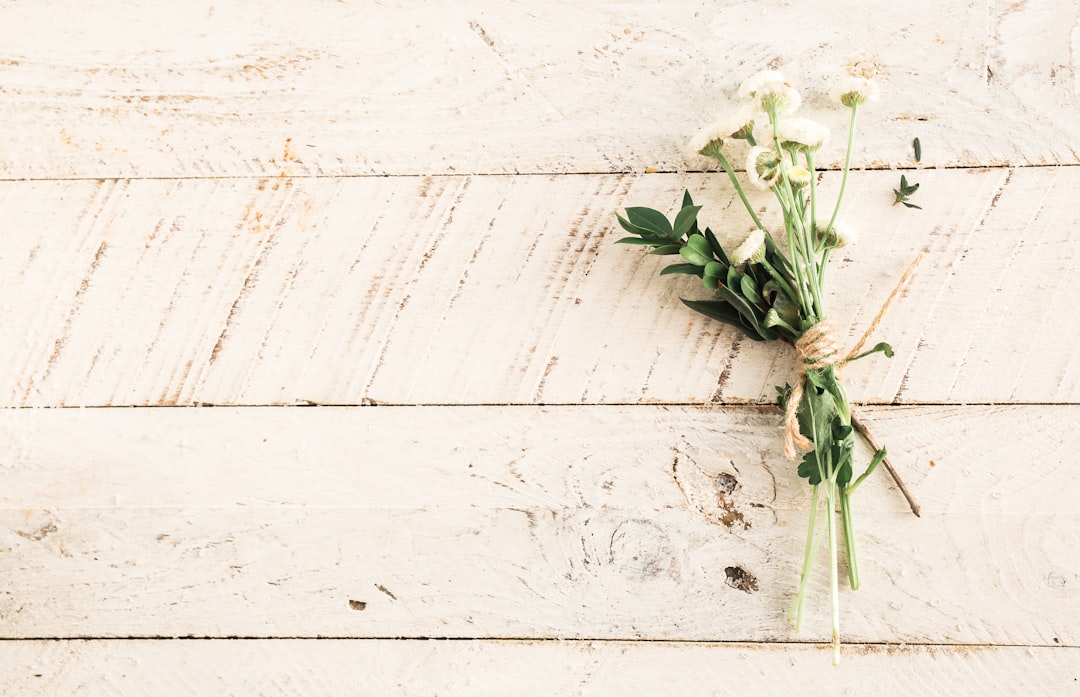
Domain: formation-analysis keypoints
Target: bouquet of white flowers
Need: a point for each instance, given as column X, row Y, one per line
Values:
column 772, row 290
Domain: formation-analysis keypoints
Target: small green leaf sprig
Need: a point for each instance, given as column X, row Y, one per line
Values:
column 774, row 292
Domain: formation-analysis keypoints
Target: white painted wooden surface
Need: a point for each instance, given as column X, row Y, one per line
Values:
column 391, row 205
column 505, row 289
column 595, row 668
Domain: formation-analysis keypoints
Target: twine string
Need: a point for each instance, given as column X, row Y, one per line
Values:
column 819, row 348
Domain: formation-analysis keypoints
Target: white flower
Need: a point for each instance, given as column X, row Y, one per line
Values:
column 839, row 235
column 800, row 133
column 752, row 249
column 737, row 126
column 853, row 91
column 762, row 167
column 799, row 176
column 771, row 92
column 750, row 86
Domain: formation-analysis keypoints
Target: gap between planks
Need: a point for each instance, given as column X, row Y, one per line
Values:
column 574, row 173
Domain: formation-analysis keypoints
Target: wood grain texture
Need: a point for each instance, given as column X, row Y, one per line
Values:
column 107, row 89
column 291, row 667
column 569, row 522
column 506, row 290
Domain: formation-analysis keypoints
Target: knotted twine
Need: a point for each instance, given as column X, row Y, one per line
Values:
column 818, row 348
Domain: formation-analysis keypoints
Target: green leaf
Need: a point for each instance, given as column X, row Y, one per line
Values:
column 816, row 414
column 877, row 459
column 629, row 227
column 817, row 378
column 918, row 149
column 734, row 279
column 700, row 245
column 911, row 205
column 753, row 319
column 681, row 268
column 782, row 395
column 879, row 348
column 692, row 256
column 718, row 251
column 666, row 249
column 697, row 251
column 686, row 200
column 684, row 220
column 636, row 240
column 808, row 468
column 710, row 282
column 749, row 289
column 650, row 220
column 721, row 311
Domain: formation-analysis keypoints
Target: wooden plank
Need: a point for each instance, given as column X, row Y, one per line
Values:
column 105, row 89
column 293, row 667
column 505, row 290
column 485, row 522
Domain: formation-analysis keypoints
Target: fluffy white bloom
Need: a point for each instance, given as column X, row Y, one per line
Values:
column 845, row 235
column 853, row 91
column 762, row 167
column 839, row 235
column 750, row 86
column 737, row 125
column 801, row 133
column 799, row 176
column 751, row 249
column 771, row 92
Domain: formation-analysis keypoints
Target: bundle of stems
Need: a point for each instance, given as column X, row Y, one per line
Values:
column 773, row 290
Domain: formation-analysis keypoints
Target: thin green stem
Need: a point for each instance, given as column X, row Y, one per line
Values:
column 834, row 585
column 808, row 557
column 813, row 191
column 847, row 166
column 849, row 539
column 795, row 221
column 781, row 281
column 719, row 155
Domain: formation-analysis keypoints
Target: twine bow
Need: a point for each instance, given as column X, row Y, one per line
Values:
column 818, row 348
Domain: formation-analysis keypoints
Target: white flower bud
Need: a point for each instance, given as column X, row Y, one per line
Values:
column 839, row 235
column 751, row 250
column 802, row 134
column 762, row 167
column 798, row 176
column 853, row 91
column 771, row 92
column 736, row 126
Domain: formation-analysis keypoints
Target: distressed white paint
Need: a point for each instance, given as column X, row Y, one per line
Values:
column 506, row 289
column 173, row 251
column 577, row 522
column 111, row 89
column 490, row 668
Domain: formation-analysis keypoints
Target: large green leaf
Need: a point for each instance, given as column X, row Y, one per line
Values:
column 684, row 220
column 648, row 219
column 721, row 311
column 681, row 268
column 718, row 251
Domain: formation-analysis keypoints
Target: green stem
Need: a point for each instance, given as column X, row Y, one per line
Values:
column 808, row 557
column 780, row 281
column 794, row 221
column 847, row 166
column 849, row 539
column 834, row 585
column 719, row 155
column 813, row 191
